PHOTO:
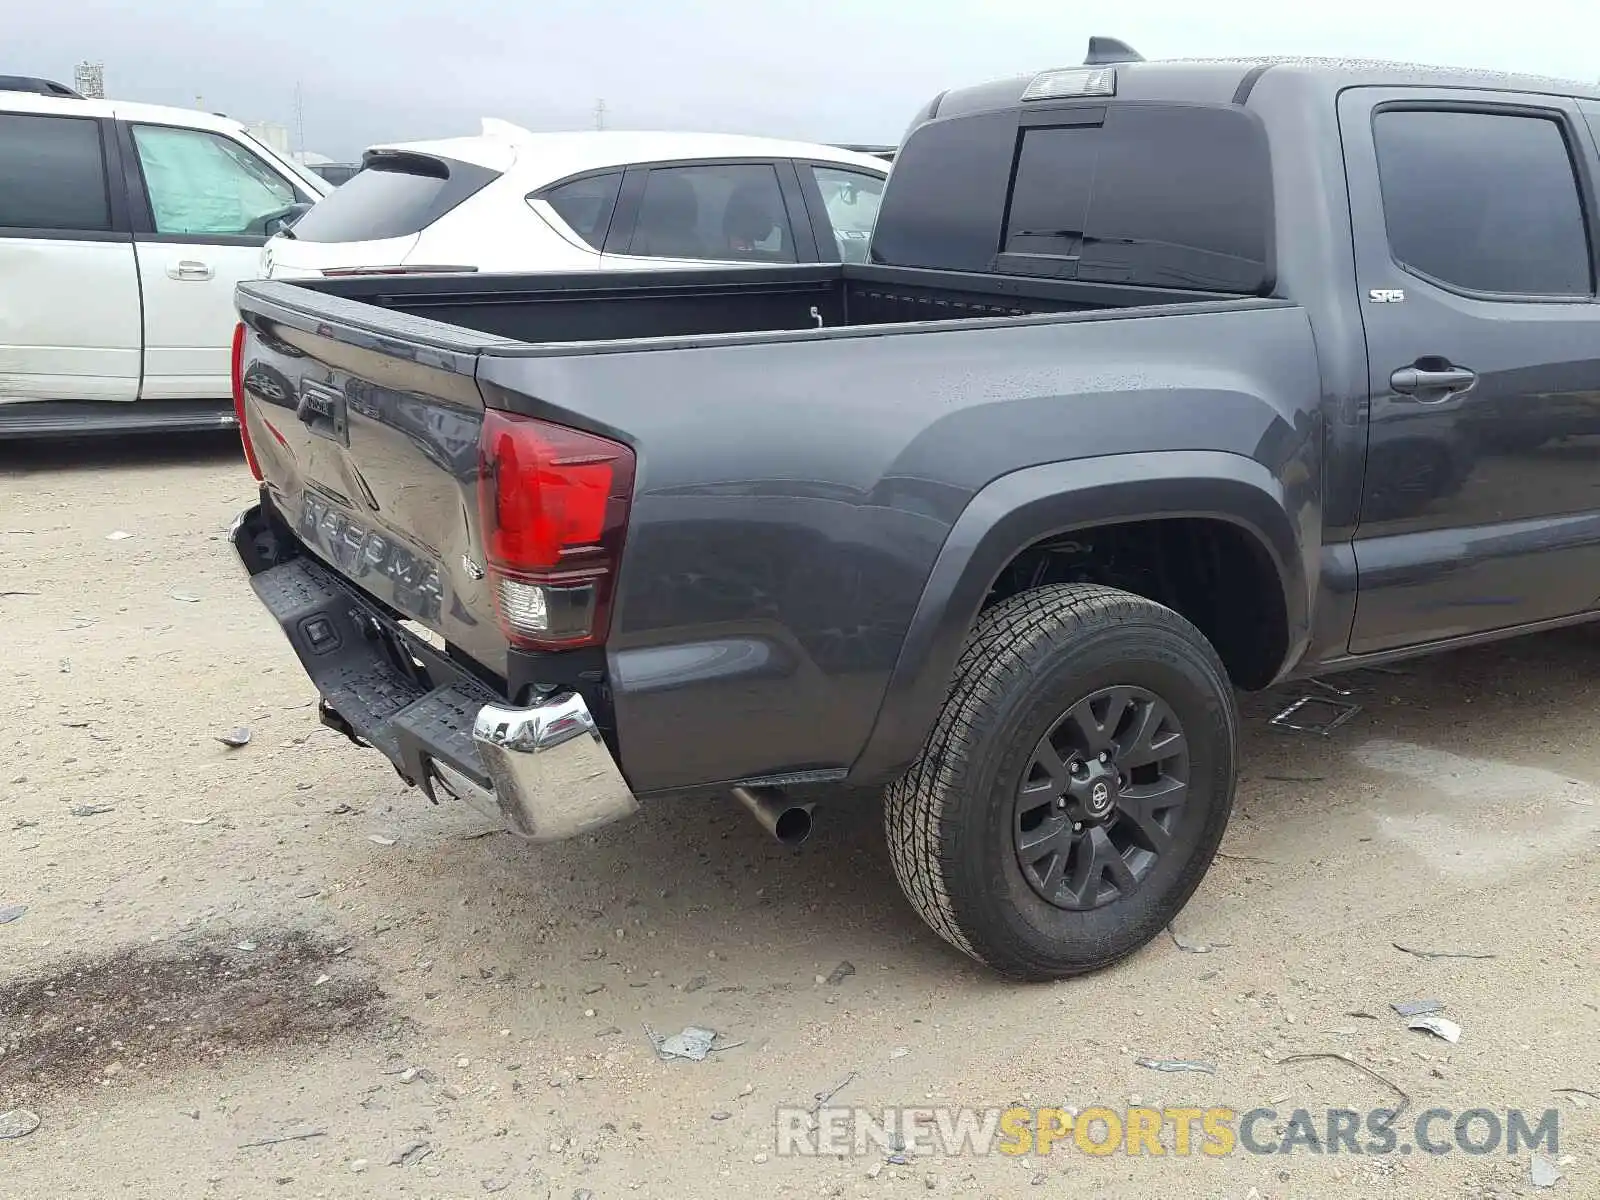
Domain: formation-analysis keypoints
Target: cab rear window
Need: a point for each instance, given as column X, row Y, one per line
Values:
column 393, row 195
column 1155, row 195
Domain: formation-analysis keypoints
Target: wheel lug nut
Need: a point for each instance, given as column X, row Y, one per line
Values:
column 1105, row 756
column 1077, row 827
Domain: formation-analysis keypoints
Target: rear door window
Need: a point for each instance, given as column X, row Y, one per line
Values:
column 393, row 195
column 732, row 212
column 586, row 205
column 52, row 174
column 1512, row 225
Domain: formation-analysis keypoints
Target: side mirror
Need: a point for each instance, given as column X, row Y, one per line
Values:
column 281, row 221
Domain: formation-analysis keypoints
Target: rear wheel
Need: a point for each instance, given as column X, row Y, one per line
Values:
column 1075, row 787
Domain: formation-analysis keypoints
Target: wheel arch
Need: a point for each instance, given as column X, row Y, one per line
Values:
column 1024, row 508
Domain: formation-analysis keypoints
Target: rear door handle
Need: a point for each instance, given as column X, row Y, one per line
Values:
column 1429, row 385
column 189, row 268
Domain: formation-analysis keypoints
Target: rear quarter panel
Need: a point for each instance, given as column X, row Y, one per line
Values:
column 793, row 494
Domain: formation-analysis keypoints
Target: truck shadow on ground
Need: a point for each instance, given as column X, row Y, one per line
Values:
column 692, row 896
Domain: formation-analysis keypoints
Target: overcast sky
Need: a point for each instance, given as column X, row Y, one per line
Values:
column 827, row 70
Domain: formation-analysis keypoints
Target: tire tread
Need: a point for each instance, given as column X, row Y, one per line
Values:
column 1006, row 644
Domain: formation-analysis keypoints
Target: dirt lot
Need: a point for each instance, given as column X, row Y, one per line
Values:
column 222, row 947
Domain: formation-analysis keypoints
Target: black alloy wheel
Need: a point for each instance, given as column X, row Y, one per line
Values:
column 1100, row 798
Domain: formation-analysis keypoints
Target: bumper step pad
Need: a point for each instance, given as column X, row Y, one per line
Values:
column 343, row 649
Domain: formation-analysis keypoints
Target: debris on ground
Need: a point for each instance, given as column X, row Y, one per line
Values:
column 411, row 1154
column 90, row 810
column 377, row 839
column 1440, row 953
column 18, row 1123
column 899, row 1052
column 840, row 973
column 12, row 912
column 694, row 1043
column 1176, row 1065
column 1414, row 1008
column 118, row 535
column 695, row 984
column 1315, row 714
column 1543, row 1173
column 1405, row 1096
column 822, row 1098
column 288, row 1137
column 1187, row 945
column 186, row 597
column 1438, row 1026
column 196, row 820
column 239, row 737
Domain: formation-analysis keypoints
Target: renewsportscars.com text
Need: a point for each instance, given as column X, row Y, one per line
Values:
column 1206, row 1132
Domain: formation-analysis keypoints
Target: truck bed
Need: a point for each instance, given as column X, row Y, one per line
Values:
column 794, row 484
column 623, row 305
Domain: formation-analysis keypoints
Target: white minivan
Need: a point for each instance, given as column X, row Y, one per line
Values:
column 123, row 230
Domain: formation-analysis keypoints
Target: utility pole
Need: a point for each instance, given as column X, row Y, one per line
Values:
column 600, row 113
column 299, row 118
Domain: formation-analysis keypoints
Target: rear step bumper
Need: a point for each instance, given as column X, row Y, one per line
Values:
column 544, row 771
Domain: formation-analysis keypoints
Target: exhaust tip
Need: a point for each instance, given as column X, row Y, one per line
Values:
column 793, row 826
column 788, row 823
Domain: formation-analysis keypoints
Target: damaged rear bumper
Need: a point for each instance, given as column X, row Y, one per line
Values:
column 543, row 770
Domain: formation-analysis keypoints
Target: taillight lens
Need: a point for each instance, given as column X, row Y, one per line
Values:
column 553, row 503
column 238, row 399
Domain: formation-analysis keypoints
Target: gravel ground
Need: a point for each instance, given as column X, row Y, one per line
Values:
column 274, row 971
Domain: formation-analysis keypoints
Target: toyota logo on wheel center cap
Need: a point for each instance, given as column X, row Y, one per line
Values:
column 1100, row 797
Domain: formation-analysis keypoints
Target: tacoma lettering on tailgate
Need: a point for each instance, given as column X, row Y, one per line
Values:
column 362, row 553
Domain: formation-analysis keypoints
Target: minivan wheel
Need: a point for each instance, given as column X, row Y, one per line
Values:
column 1075, row 787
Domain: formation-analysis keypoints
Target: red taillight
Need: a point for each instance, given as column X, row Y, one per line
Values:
column 238, row 399
column 553, row 503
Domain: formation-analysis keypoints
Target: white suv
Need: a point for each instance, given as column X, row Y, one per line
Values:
column 123, row 230
column 511, row 200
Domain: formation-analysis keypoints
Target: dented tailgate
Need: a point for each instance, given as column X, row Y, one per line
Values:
column 367, row 442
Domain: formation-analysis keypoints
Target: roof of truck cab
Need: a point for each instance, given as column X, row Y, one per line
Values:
column 1217, row 80
column 505, row 147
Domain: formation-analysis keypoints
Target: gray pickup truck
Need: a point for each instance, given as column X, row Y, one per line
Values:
column 1165, row 379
